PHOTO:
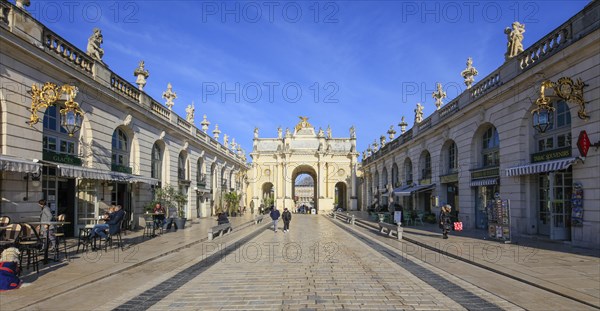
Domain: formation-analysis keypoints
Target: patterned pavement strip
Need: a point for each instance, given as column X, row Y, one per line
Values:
column 315, row 267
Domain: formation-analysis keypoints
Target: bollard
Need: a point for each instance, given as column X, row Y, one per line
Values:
column 333, row 215
column 400, row 232
column 352, row 221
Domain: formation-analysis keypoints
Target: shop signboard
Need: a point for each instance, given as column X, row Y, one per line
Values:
column 577, row 206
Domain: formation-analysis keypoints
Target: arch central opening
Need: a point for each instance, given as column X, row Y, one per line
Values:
column 304, row 189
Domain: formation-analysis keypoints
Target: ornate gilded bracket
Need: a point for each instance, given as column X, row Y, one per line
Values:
column 49, row 95
column 571, row 91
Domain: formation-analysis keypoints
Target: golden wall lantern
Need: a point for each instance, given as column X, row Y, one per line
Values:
column 71, row 115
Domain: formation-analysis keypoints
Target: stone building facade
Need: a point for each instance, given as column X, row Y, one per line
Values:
column 480, row 150
column 277, row 162
column 128, row 143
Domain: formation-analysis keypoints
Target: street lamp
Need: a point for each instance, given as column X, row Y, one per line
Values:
column 71, row 116
column 542, row 114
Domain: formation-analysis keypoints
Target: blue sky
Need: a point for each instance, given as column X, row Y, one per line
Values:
column 262, row 64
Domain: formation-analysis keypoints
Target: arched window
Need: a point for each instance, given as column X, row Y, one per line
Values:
column 55, row 137
column 181, row 171
column 156, row 166
column 558, row 134
column 425, row 163
column 408, row 172
column 200, row 176
column 120, row 149
column 490, row 151
column 395, row 177
column 452, row 158
column 384, row 174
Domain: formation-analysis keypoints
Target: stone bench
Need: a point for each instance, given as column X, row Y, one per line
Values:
column 258, row 219
column 390, row 229
column 347, row 218
column 219, row 230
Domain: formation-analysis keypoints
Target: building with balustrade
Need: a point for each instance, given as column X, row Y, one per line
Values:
column 511, row 153
column 116, row 147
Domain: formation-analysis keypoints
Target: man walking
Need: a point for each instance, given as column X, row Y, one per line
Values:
column 275, row 216
column 287, row 217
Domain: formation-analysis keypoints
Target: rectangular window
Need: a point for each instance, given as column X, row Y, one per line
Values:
column 49, row 143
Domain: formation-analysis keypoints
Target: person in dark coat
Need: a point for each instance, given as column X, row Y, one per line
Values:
column 275, row 216
column 445, row 220
column 287, row 217
column 112, row 224
column 222, row 219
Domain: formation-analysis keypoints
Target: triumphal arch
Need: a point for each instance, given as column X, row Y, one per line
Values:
column 277, row 163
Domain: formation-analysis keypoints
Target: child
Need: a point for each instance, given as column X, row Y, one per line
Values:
column 9, row 269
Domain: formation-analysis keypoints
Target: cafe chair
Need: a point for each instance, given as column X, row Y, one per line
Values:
column 148, row 226
column 82, row 241
column 11, row 236
column 109, row 237
column 419, row 218
column 60, row 235
column 4, row 221
column 30, row 243
column 406, row 218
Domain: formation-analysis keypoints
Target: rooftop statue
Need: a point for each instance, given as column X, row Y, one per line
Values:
column 419, row 113
column 169, row 95
column 352, row 132
column 515, row 40
column 142, row 74
column 93, row 47
column 439, row 95
column 189, row 113
column 255, row 132
column 469, row 73
column 303, row 123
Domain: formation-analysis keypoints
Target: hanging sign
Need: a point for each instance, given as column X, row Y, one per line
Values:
column 583, row 143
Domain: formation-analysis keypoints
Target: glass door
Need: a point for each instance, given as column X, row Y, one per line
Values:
column 561, row 205
column 86, row 203
column 543, row 219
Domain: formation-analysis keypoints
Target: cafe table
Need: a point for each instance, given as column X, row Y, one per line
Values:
column 48, row 223
column 154, row 225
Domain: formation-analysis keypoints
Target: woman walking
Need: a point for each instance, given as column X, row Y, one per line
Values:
column 287, row 217
column 445, row 220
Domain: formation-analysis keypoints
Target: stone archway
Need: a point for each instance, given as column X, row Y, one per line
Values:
column 326, row 159
column 304, row 190
column 341, row 193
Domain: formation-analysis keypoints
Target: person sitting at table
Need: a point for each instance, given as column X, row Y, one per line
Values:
column 111, row 224
column 159, row 215
column 46, row 216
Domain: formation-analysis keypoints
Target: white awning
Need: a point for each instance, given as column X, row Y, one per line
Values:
column 406, row 191
column 484, row 182
column 11, row 164
column 94, row 173
column 541, row 167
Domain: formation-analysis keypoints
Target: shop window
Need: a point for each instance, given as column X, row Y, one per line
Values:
column 56, row 138
column 558, row 134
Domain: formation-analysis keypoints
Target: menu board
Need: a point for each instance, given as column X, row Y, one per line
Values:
column 577, row 206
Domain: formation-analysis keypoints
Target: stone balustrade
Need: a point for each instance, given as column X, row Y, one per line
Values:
column 160, row 110
column 448, row 109
column 183, row 124
column 545, row 46
column 67, row 52
column 491, row 81
column 123, row 87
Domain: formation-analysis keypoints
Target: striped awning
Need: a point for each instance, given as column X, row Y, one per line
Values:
column 406, row 191
column 18, row 165
column 541, row 167
column 98, row 174
column 484, row 182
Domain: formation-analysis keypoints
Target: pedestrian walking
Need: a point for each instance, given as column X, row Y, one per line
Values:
column 287, row 217
column 445, row 220
column 275, row 216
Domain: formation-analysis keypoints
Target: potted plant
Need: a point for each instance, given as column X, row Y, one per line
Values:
column 232, row 199
column 171, row 199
